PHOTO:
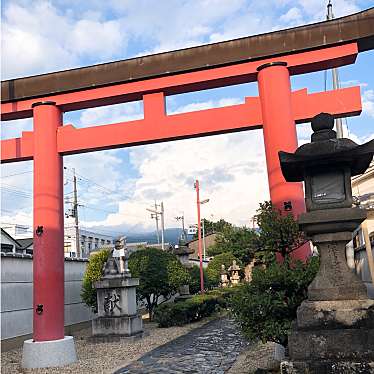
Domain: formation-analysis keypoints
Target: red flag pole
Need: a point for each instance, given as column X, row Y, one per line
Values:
column 199, row 235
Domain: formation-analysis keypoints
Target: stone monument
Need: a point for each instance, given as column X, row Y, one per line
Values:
column 224, row 280
column 182, row 252
column 116, row 300
column 234, row 273
column 334, row 331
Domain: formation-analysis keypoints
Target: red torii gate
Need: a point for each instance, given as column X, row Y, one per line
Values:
column 276, row 110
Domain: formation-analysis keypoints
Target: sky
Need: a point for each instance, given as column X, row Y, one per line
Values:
column 116, row 187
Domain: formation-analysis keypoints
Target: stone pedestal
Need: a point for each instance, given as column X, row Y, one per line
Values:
column 49, row 353
column 334, row 331
column 117, row 309
column 184, row 293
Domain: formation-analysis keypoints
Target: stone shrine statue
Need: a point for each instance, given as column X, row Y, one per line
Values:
column 116, row 299
column 234, row 273
column 224, row 281
column 121, row 251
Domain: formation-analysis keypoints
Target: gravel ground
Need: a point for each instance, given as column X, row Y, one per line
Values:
column 257, row 358
column 103, row 357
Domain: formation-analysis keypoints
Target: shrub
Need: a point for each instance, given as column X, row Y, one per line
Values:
column 266, row 307
column 214, row 266
column 92, row 274
column 160, row 274
column 194, row 282
column 190, row 310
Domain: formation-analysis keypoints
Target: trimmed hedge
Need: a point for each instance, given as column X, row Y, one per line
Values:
column 194, row 309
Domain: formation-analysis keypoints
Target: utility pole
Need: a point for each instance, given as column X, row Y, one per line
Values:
column 197, row 188
column 75, row 214
column 155, row 214
column 203, row 221
column 335, row 78
column 162, row 226
column 183, row 230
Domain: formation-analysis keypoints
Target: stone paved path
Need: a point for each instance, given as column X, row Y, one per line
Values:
column 210, row 349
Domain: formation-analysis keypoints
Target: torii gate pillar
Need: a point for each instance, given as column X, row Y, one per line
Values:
column 280, row 134
column 49, row 346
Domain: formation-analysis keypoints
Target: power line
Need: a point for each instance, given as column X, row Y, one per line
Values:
column 108, row 211
column 13, row 175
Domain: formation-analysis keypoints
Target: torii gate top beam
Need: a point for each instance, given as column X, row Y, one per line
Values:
column 17, row 94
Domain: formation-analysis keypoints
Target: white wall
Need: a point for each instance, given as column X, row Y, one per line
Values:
column 16, row 294
column 363, row 271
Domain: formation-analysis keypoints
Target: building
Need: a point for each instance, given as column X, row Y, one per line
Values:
column 17, row 231
column 207, row 242
column 363, row 190
column 22, row 240
column 89, row 241
column 12, row 245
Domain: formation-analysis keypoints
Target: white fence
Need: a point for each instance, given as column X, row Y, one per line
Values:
column 16, row 294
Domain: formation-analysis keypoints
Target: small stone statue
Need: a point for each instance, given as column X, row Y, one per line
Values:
column 110, row 268
column 123, row 254
column 224, row 282
column 234, row 273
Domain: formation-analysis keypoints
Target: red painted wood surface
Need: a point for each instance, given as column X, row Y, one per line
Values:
column 48, row 261
column 157, row 126
column 298, row 63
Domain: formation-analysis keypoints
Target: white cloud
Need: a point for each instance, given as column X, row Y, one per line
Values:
column 292, row 17
column 111, row 114
column 368, row 103
column 37, row 38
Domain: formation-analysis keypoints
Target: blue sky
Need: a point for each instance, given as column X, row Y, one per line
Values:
column 115, row 187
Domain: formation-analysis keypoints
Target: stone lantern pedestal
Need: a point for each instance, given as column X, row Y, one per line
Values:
column 335, row 326
column 117, row 308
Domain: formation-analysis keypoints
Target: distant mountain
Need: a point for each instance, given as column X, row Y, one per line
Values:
column 171, row 236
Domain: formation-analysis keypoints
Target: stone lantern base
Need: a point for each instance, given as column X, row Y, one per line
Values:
column 332, row 337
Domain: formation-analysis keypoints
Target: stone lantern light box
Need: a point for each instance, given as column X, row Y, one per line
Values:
column 326, row 165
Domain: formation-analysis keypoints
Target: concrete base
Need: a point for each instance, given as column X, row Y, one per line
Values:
column 330, row 330
column 49, row 353
column 122, row 326
column 327, row 367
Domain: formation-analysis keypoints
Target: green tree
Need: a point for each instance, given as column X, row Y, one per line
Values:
column 277, row 233
column 93, row 273
column 266, row 307
column 214, row 266
column 195, row 280
column 236, row 240
column 211, row 227
column 160, row 274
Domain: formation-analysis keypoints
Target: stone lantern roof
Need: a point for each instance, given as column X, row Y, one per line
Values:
column 324, row 150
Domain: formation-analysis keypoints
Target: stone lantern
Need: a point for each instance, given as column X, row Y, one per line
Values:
column 334, row 331
column 224, row 280
column 234, row 273
column 183, row 252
